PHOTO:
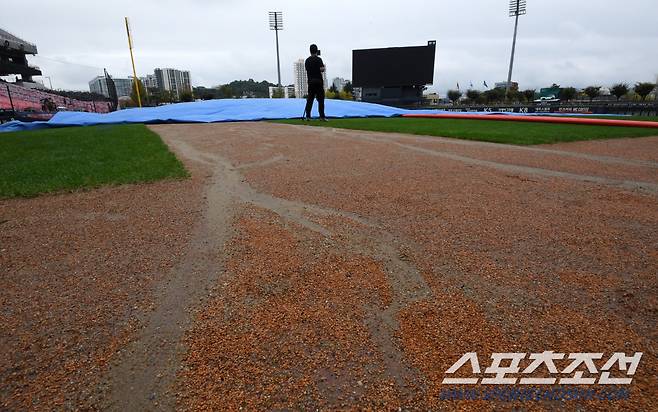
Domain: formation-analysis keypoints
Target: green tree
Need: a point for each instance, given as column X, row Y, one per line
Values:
column 278, row 93
column 226, row 92
column 643, row 89
column 249, row 88
column 529, row 95
column 592, row 92
column 205, row 93
column 473, row 95
column 158, row 97
column 454, row 95
column 142, row 93
column 348, row 88
column 154, row 97
column 567, row 93
column 186, row 96
column 333, row 88
column 166, row 96
column 236, row 88
column 514, row 95
column 345, row 95
column 494, row 95
column 619, row 90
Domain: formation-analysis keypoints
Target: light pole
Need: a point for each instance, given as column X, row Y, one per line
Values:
column 276, row 24
column 516, row 9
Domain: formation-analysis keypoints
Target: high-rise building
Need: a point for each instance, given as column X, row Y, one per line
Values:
column 339, row 83
column 174, row 81
column 99, row 85
column 124, row 86
column 150, row 81
column 301, row 80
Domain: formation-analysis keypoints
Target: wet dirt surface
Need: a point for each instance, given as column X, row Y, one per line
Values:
column 312, row 268
column 77, row 273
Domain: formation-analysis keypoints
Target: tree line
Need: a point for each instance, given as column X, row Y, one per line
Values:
column 497, row 95
column 153, row 96
column 346, row 93
column 235, row 89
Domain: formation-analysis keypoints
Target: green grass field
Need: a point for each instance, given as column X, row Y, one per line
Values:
column 70, row 158
column 485, row 130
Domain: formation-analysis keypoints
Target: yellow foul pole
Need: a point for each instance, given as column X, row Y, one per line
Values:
column 132, row 59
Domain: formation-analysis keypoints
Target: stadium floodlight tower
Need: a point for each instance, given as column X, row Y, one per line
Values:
column 276, row 24
column 516, row 9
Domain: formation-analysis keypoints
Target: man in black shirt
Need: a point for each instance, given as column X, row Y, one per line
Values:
column 314, row 69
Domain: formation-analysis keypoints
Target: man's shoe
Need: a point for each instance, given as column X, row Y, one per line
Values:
column 324, row 119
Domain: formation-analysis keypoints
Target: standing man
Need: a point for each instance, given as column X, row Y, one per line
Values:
column 314, row 69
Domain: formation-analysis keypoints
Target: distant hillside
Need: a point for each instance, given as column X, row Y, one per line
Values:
column 236, row 88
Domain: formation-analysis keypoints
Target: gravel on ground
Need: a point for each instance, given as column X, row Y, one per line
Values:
column 77, row 274
column 518, row 251
column 312, row 268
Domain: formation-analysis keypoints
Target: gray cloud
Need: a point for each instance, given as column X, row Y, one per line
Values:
column 566, row 42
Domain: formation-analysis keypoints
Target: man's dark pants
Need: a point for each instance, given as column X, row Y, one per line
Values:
column 315, row 91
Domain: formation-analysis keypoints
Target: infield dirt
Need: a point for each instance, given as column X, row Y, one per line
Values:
column 314, row 268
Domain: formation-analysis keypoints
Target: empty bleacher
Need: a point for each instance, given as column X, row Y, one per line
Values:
column 25, row 99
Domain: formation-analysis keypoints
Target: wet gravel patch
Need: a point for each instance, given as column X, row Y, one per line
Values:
column 612, row 167
column 77, row 271
column 646, row 149
column 288, row 330
column 522, row 255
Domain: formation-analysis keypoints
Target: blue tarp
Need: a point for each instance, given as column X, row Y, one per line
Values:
column 16, row 126
column 223, row 110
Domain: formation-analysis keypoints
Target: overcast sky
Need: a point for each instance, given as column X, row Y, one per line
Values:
column 569, row 42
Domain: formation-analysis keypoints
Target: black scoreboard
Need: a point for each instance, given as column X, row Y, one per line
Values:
column 394, row 66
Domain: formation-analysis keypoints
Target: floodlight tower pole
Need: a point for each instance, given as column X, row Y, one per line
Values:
column 516, row 9
column 276, row 24
column 278, row 62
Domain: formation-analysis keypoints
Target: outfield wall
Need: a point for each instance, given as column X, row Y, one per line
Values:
column 634, row 108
